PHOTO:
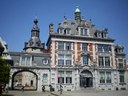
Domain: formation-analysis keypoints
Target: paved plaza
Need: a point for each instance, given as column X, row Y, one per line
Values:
column 97, row 93
column 72, row 93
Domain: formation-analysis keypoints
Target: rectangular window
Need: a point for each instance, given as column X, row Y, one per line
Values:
column 85, row 32
column 85, row 59
column 107, row 61
column 60, row 45
column 120, row 61
column 68, row 77
column 68, row 46
column 81, row 31
column 121, row 77
column 60, row 76
column 100, row 48
column 101, row 61
column 60, row 31
column 25, row 60
column 60, row 59
column 107, row 48
column 60, row 79
column 98, row 34
column 69, row 80
column 45, row 78
column 102, row 77
column 68, row 31
column 108, row 77
column 84, row 47
column 68, row 59
column 104, row 48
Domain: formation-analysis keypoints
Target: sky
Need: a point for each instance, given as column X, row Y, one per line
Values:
column 16, row 18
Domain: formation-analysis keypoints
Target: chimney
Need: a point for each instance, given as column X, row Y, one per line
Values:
column 51, row 27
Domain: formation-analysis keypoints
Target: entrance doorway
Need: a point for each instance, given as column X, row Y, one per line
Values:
column 86, row 79
column 25, row 78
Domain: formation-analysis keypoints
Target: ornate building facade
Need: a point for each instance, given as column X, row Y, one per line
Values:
column 78, row 55
column 84, row 56
column 31, row 66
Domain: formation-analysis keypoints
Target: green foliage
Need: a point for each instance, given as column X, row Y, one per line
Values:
column 4, row 71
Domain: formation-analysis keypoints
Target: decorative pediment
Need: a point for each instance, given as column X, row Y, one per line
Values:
column 85, row 67
column 85, row 53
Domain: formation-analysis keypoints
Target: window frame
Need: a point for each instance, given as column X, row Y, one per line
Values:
column 101, row 61
column 61, row 59
column 85, row 59
column 107, row 61
column 84, row 47
column 60, row 45
column 26, row 60
column 122, row 77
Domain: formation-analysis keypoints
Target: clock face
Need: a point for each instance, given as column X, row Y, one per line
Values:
column 45, row 61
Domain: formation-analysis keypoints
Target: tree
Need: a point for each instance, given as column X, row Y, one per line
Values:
column 4, row 71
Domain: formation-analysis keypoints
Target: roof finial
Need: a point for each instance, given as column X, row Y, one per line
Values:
column 35, row 26
column 77, row 9
column 36, row 20
column 65, row 16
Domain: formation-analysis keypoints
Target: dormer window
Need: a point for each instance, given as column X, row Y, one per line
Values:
column 98, row 34
column 104, row 35
column 60, row 30
column 83, row 32
column 65, row 23
column 119, row 49
column 101, row 34
column 72, row 23
column 67, row 31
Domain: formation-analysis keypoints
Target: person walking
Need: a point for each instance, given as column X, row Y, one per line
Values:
column 61, row 89
column 22, row 88
column 6, row 88
column 43, row 88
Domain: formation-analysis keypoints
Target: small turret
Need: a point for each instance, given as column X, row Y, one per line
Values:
column 77, row 15
column 34, row 44
column 35, row 30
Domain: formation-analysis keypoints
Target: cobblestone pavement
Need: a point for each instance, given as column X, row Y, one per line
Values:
column 29, row 93
column 97, row 93
column 72, row 93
